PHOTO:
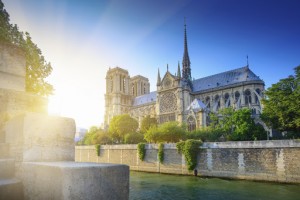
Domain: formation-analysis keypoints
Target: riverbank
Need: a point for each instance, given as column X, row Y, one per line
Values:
column 275, row 161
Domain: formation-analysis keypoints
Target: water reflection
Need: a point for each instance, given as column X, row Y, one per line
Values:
column 161, row 186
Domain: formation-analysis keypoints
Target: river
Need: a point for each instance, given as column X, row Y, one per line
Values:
column 175, row 187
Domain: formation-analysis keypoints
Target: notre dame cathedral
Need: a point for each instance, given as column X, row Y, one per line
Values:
column 178, row 97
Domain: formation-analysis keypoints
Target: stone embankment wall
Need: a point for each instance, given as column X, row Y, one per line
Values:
column 277, row 161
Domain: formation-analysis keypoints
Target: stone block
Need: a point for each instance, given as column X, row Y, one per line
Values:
column 39, row 137
column 7, row 168
column 76, row 181
column 11, row 189
column 12, row 67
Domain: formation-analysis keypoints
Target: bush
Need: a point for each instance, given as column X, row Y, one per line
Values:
column 141, row 151
column 161, row 152
column 97, row 147
column 133, row 138
column 189, row 149
column 205, row 134
column 166, row 132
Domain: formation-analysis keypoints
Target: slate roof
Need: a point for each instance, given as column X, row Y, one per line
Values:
column 144, row 99
column 225, row 79
column 197, row 105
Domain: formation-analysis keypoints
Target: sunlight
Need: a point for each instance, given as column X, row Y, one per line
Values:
column 54, row 105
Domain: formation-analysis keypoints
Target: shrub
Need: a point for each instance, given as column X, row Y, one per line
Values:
column 189, row 149
column 161, row 152
column 133, row 138
column 97, row 147
column 141, row 151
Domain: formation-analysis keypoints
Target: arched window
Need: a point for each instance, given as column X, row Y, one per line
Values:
column 217, row 104
column 207, row 102
column 191, row 123
column 124, row 84
column 111, row 84
column 132, row 87
column 247, row 97
column 237, row 99
column 227, row 100
column 256, row 97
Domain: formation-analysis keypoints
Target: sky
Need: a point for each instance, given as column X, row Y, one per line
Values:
column 82, row 39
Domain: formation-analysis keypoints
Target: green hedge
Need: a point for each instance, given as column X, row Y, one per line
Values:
column 161, row 152
column 141, row 151
column 189, row 149
column 97, row 147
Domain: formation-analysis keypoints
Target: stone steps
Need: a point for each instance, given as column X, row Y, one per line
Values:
column 11, row 189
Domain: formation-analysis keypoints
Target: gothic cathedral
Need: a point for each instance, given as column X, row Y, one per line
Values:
column 178, row 97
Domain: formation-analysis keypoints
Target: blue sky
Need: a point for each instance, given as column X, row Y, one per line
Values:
column 82, row 39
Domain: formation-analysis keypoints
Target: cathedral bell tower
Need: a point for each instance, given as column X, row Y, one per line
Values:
column 117, row 97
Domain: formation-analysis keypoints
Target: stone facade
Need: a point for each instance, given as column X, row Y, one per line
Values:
column 14, row 100
column 178, row 97
column 277, row 161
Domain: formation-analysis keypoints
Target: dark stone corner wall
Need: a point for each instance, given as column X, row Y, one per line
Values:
column 277, row 161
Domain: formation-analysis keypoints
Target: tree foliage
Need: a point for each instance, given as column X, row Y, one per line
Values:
column 166, row 132
column 236, row 125
column 160, row 153
column 133, row 138
column 148, row 122
column 141, row 147
column 37, row 68
column 190, row 149
column 95, row 135
column 282, row 105
column 121, row 125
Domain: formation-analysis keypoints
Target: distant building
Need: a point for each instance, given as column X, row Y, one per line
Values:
column 178, row 97
column 80, row 133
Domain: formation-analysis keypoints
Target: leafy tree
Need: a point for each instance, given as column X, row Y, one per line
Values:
column 166, row 132
column 37, row 68
column 152, row 135
column 207, row 134
column 282, row 105
column 134, row 138
column 120, row 126
column 95, row 135
column 235, row 125
column 148, row 122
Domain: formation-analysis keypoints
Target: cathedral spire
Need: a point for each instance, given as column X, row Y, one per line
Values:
column 178, row 71
column 158, row 79
column 186, row 63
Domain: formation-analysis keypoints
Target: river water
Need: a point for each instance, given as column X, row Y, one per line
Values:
column 175, row 187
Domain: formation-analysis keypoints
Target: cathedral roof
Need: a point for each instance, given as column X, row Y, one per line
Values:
column 224, row 79
column 197, row 105
column 144, row 99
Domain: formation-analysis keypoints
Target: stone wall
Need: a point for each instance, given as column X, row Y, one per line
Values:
column 277, row 161
column 13, row 98
column 12, row 67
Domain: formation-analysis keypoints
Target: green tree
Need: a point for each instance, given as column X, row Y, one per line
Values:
column 282, row 104
column 121, row 125
column 95, row 135
column 134, row 138
column 148, row 122
column 152, row 135
column 37, row 68
column 166, row 132
column 235, row 125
